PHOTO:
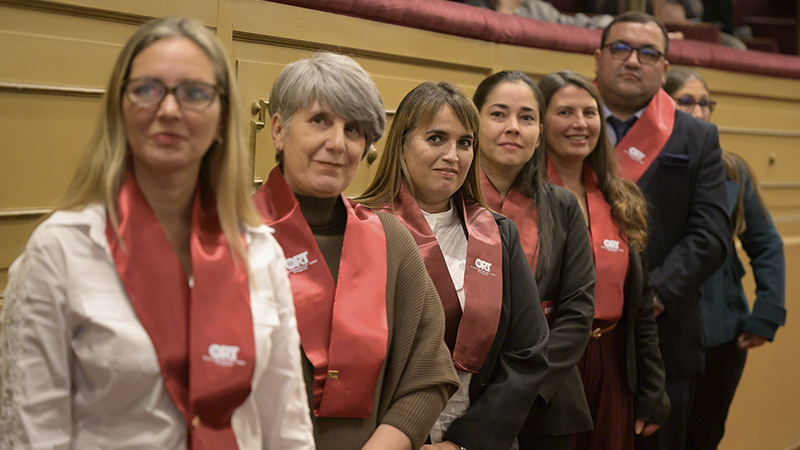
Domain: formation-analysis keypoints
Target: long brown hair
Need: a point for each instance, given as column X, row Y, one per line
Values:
column 628, row 206
column 532, row 178
column 419, row 107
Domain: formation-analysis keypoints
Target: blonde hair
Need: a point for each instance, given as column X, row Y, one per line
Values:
column 419, row 107
column 103, row 166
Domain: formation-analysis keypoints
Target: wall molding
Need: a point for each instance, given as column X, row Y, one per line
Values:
column 78, row 11
column 277, row 41
column 779, row 185
column 758, row 131
column 15, row 214
column 51, row 89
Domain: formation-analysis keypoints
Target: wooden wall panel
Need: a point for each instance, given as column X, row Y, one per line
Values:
column 766, row 409
column 73, row 43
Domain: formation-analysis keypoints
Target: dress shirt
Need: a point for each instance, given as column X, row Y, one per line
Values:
column 80, row 371
column 449, row 233
column 612, row 133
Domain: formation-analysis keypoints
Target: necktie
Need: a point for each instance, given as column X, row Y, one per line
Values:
column 621, row 128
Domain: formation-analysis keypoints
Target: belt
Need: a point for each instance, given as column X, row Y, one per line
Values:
column 598, row 332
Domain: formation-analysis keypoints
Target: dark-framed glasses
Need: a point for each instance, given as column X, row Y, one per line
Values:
column 150, row 92
column 622, row 51
column 688, row 103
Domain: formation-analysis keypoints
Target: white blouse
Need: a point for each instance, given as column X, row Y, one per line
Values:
column 78, row 369
column 449, row 233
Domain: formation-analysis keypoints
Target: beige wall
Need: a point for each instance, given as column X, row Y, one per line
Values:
column 57, row 56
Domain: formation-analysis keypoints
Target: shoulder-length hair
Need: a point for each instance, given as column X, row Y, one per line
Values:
column 735, row 165
column 532, row 179
column 418, row 108
column 628, row 206
column 103, row 166
column 335, row 80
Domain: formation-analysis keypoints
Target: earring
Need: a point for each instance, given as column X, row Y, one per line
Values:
column 218, row 141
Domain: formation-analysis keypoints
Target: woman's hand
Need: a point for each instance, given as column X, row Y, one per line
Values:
column 446, row 445
column 749, row 340
column 645, row 429
column 387, row 437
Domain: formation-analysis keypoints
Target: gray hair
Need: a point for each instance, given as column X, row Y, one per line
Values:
column 335, row 80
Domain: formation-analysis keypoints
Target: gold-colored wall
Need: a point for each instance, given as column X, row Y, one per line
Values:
column 57, row 56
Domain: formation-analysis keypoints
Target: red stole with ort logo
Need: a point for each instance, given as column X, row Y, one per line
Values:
column 203, row 336
column 608, row 246
column 468, row 334
column 643, row 143
column 343, row 326
column 522, row 211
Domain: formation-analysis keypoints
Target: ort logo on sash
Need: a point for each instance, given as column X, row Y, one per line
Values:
column 483, row 267
column 635, row 154
column 299, row 262
column 223, row 355
column 611, row 245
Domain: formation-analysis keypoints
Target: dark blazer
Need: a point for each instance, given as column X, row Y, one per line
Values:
column 726, row 312
column 569, row 283
column 689, row 231
column 644, row 366
column 504, row 389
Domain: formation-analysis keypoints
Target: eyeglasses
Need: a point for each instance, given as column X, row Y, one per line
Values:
column 622, row 51
column 688, row 103
column 149, row 92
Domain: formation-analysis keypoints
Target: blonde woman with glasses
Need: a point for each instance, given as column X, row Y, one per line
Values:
column 152, row 309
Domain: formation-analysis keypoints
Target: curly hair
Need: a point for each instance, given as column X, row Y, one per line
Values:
column 628, row 205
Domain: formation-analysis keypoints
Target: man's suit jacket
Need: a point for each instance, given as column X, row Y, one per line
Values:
column 689, row 229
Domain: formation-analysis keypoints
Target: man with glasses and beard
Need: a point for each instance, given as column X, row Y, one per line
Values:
column 675, row 160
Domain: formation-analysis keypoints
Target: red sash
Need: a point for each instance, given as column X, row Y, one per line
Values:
column 608, row 247
column 522, row 211
column 343, row 326
column 203, row 336
column 643, row 143
column 470, row 334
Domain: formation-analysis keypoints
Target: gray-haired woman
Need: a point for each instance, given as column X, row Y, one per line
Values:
column 371, row 325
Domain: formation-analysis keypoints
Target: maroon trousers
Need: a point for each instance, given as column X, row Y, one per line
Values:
column 602, row 369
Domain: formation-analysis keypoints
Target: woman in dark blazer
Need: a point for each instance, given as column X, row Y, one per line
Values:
column 728, row 326
column 429, row 176
column 622, row 370
column 556, row 243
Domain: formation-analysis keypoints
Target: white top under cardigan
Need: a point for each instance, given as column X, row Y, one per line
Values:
column 78, row 370
column 449, row 233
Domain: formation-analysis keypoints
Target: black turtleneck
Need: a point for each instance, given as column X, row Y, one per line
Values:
column 327, row 218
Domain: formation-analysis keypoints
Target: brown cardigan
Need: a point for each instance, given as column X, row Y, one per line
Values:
column 418, row 376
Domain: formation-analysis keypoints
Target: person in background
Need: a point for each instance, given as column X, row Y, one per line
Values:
column 676, row 162
column 729, row 327
column 152, row 309
column 556, row 243
column 429, row 176
column 371, row 325
column 622, row 370
column 542, row 10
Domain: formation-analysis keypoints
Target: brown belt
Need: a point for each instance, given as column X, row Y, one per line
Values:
column 598, row 332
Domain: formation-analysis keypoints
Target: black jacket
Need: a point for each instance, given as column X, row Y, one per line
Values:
column 502, row 392
column 689, row 229
column 644, row 366
column 569, row 283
